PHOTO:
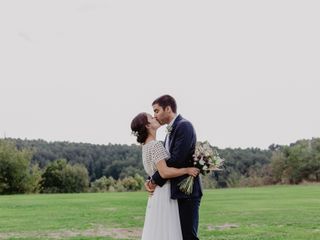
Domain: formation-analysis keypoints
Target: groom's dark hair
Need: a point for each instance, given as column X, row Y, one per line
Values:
column 165, row 101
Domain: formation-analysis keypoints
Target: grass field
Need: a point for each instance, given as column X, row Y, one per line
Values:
column 277, row 213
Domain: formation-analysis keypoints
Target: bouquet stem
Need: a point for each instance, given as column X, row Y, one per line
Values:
column 186, row 185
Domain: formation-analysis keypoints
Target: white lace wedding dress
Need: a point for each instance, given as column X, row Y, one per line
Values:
column 162, row 220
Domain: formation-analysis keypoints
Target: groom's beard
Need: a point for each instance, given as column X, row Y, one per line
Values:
column 161, row 123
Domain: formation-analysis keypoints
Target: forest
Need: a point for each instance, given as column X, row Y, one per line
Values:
column 38, row 166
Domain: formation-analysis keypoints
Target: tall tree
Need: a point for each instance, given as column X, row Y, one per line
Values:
column 17, row 175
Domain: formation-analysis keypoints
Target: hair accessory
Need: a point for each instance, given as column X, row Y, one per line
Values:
column 135, row 133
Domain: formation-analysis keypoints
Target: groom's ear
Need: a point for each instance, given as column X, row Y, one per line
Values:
column 167, row 109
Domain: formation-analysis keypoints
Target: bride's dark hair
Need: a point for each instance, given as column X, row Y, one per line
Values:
column 138, row 127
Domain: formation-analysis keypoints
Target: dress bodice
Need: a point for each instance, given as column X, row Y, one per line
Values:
column 152, row 153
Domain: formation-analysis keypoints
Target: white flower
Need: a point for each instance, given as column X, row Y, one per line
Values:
column 208, row 160
column 169, row 129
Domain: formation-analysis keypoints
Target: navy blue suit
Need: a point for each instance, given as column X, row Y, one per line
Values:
column 182, row 142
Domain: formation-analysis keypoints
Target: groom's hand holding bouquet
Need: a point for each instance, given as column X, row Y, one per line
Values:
column 204, row 158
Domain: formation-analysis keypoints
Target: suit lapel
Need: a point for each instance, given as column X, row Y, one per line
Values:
column 172, row 133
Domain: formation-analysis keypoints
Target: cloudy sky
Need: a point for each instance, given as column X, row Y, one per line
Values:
column 246, row 73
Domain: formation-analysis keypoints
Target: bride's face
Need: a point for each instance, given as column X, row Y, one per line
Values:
column 153, row 122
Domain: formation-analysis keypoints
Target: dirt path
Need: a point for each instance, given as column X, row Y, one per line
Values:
column 116, row 233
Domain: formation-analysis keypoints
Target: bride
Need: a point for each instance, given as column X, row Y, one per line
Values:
column 162, row 220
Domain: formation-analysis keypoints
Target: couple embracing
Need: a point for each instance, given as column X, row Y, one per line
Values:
column 170, row 214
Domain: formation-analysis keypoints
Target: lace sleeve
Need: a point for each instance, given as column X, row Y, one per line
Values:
column 159, row 152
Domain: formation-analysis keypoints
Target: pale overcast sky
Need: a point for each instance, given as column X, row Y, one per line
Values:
column 246, row 73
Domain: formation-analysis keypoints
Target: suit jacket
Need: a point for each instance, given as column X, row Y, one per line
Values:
column 182, row 144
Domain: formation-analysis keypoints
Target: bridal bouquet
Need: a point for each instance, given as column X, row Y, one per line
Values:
column 204, row 158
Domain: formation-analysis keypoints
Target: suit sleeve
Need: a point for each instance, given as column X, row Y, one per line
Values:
column 184, row 138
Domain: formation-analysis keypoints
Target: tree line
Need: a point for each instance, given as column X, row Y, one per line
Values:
column 38, row 166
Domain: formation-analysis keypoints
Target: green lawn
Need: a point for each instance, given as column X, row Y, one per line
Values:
column 277, row 212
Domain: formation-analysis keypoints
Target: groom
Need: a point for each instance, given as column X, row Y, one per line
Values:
column 180, row 142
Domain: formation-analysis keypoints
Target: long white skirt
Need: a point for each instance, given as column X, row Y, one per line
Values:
column 162, row 220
